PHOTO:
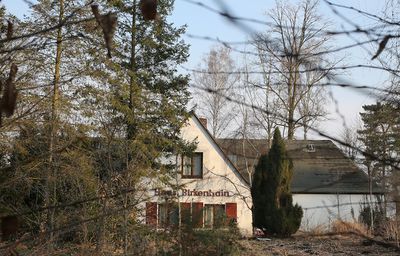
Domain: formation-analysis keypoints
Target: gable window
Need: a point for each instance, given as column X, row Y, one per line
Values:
column 192, row 166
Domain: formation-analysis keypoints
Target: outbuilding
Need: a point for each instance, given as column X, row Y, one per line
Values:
column 326, row 184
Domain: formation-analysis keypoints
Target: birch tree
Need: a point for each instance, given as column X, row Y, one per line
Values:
column 263, row 97
column 217, row 73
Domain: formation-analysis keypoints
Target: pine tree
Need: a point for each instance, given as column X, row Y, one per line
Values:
column 144, row 103
column 47, row 155
column 381, row 140
column 273, row 209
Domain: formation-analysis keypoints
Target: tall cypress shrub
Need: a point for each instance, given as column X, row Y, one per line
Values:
column 273, row 209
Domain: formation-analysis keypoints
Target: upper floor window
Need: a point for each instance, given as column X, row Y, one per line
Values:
column 192, row 166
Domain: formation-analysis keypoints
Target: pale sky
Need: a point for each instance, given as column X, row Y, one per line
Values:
column 202, row 22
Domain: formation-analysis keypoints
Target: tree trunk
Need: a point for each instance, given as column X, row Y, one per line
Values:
column 100, row 225
column 292, row 98
column 126, row 216
column 371, row 206
column 51, row 188
column 290, row 125
column 133, row 86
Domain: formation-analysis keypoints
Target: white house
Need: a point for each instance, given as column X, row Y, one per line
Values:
column 211, row 186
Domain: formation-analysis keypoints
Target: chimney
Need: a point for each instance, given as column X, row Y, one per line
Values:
column 203, row 121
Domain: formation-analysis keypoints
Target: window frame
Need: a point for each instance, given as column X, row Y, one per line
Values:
column 192, row 176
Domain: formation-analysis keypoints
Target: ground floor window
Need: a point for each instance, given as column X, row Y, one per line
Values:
column 197, row 214
column 168, row 214
column 214, row 215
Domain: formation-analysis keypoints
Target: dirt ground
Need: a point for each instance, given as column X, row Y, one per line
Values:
column 321, row 245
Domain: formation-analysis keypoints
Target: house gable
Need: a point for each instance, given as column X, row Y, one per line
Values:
column 213, row 154
column 220, row 185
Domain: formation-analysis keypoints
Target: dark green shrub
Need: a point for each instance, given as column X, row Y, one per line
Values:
column 273, row 209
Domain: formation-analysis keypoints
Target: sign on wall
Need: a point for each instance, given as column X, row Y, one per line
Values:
column 192, row 192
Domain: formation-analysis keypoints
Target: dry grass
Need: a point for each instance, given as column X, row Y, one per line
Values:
column 326, row 245
column 317, row 230
column 343, row 227
column 389, row 230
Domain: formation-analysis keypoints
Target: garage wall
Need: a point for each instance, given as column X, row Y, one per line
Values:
column 320, row 210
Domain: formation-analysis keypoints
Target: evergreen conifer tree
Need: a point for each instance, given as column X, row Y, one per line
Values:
column 273, row 209
column 380, row 138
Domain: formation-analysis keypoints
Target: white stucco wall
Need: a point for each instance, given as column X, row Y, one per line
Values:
column 320, row 210
column 218, row 173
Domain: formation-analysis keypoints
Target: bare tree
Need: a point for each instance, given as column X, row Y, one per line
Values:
column 293, row 47
column 215, row 106
column 349, row 136
column 390, row 58
column 244, row 133
column 311, row 106
column 263, row 97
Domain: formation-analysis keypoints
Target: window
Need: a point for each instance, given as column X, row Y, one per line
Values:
column 196, row 214
column 208, row 215
column 151, row 214
column 186, row 213
column 192, row 166
column 168, row 215
column 214, row 215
